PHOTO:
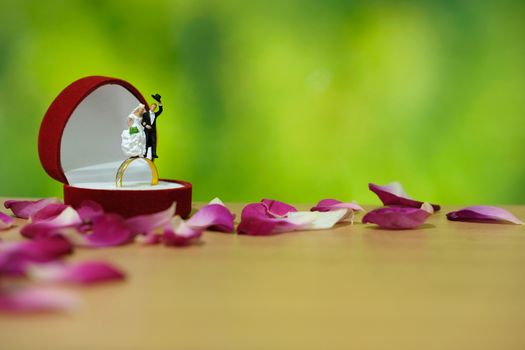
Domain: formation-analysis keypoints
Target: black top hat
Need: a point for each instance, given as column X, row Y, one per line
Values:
column 156, row 97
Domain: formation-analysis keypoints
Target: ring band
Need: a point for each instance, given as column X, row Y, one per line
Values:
column 125, row 164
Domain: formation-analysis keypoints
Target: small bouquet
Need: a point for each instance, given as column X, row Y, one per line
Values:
column 133, row 130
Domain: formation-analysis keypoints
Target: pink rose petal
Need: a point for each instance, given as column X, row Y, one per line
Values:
column 394, row 194
column 334, row 204
column 46, row 227
column 6, row 221
column 179, row 233
column 215, row 217
column 175, row 233
column 396, row 217
column 24, row 209
column 109, row 230
column 15, row 256
column 106, row 231
column 257, row 220
column 50, row 211
column 483, row 213
column 37, row 299
column 88, row 272
column 89, row 210
column 144, row 224
column 276, row 208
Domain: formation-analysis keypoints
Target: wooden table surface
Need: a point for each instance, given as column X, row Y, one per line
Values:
column 448, row 285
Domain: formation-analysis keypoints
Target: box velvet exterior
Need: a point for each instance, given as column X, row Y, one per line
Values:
column 85, row 117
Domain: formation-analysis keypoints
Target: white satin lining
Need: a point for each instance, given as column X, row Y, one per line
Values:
column 102, row 176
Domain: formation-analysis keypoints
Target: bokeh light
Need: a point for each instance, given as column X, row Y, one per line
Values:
column 294, row 100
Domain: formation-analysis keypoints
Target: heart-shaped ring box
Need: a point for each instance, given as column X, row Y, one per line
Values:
column 79, row 145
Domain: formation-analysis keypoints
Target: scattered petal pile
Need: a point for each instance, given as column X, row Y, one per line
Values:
column 483, row 213
column 400, row 211
column 40, row 260
column 270, row 217
column 51, row 228
column 55, row 229
column 90, row 226
column 178, row 232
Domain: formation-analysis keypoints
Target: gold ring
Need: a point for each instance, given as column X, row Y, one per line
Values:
column 125, row 164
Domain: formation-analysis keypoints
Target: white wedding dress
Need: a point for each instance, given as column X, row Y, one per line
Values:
column 133, row 138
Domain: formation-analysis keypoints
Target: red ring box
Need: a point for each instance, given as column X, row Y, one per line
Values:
column 79, row 145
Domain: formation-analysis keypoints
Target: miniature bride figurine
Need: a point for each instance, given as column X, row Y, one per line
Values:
column 133, row 138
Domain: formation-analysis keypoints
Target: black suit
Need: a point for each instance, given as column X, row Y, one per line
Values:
column 151, row 134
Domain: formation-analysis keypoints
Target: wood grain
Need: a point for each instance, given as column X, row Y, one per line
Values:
column 448, row 285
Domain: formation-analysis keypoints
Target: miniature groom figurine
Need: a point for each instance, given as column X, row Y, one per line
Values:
column 149, row 121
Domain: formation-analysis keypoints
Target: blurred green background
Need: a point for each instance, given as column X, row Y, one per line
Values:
column 293, row 100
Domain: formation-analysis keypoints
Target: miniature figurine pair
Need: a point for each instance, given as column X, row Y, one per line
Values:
column 140, row 138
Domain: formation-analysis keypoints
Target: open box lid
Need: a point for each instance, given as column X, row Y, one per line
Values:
column 79, row 139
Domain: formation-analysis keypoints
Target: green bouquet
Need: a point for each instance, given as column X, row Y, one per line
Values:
column 133, row 130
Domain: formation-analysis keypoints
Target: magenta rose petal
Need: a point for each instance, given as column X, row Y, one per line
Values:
column 398, row 218
column 214, row 216
column 179, row 233
column 394, row 194
column 484, row 213
column 37, row 299
column 15, row 256
column 256, row 220
column 276, row 208
column 24, row 209
column 144, row 224
column 46, row 227
column 6, row 221
column 89, row 210
column 334, row 204
column 50, row 211
column 108, row 230
column 87, row 272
